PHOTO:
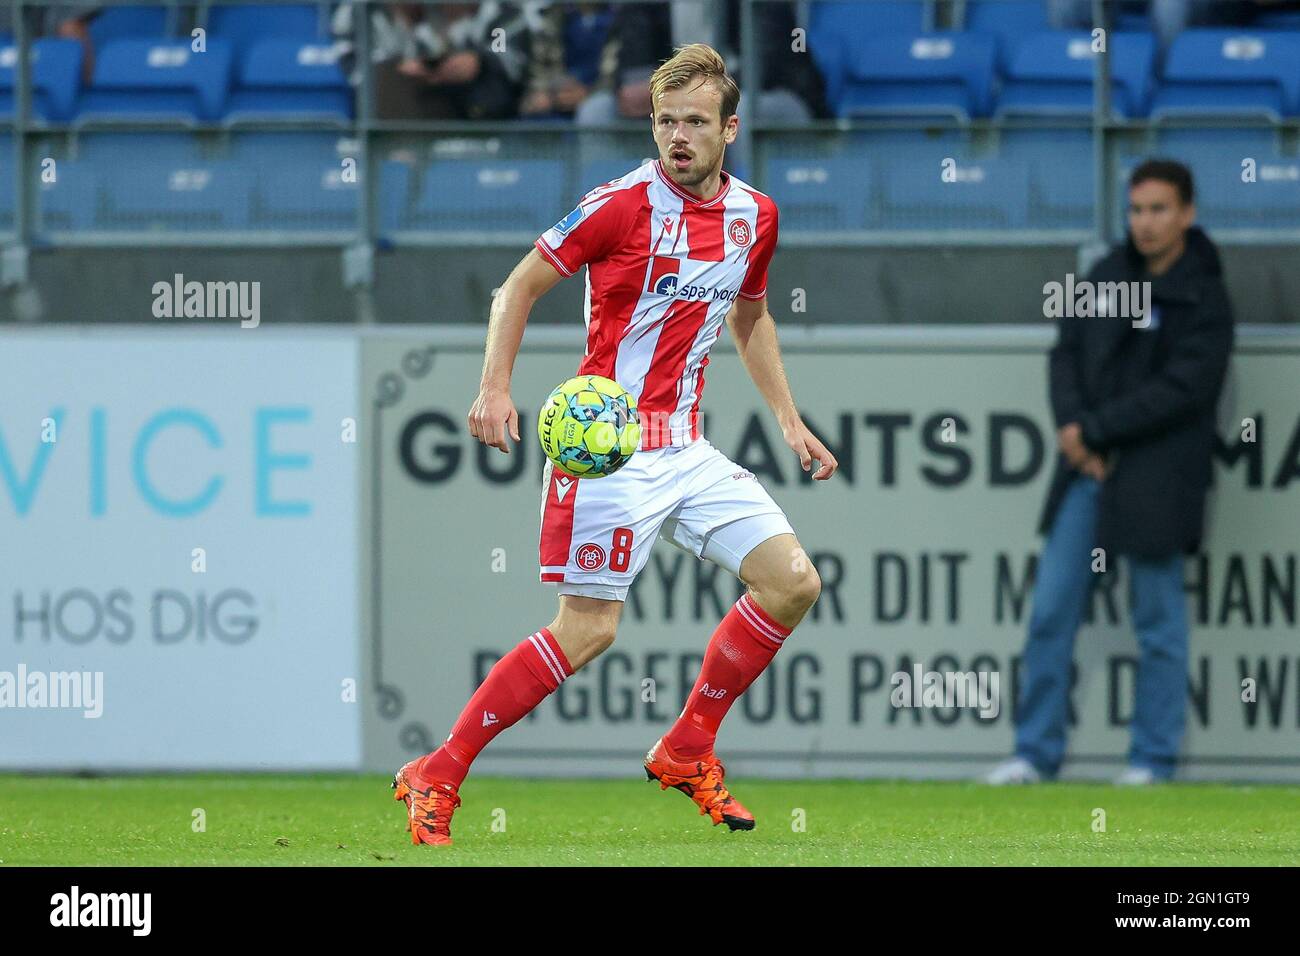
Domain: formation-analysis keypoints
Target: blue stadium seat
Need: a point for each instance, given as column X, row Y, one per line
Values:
column 924, row 75
column 290, row 78
column 1225, row 201
column 1009, row 21
column 1216, row 155
column 396, row 196
column 157, row 80
column 56, row 78
column 122, row 22
column 1051, row 74
column 1276, row 20
column 144, row 191
column 491, row 195
column 7, row 203
column 1230, row 73
column 300, row 180
column 108, row 148
column 245, row 25
column 1061, row 187
column 820, row 194
column 986, row 194
column 835, row 29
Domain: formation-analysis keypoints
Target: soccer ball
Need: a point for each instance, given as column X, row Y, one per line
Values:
column 589, row 427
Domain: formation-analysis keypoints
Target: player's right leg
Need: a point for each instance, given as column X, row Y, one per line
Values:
column 429, row 785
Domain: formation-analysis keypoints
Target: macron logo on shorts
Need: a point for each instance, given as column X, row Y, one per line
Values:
column 562, row 486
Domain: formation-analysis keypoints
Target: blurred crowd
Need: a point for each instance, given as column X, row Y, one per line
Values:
column 591, row 62
column 587, row 61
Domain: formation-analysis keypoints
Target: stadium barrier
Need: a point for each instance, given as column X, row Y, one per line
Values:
column 262, row 585
column 925, row 550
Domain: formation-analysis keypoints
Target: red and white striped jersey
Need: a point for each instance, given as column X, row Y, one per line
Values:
column 663, row 270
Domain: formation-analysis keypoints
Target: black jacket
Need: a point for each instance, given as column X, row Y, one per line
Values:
column 1146, row 399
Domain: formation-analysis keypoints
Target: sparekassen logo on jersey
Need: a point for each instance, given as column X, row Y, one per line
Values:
column 665, row 279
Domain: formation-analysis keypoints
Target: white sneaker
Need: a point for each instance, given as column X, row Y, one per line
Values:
column 1136, row 777
column 1017, row 770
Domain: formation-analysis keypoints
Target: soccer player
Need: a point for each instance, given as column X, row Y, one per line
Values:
column 671, row 249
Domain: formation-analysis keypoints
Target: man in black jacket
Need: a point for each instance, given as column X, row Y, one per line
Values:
column 1133, row 397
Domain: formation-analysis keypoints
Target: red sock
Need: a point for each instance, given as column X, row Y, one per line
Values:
column 516, row 684
column 742, row 646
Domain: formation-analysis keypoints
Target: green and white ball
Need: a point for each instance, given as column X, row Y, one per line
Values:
column 589, row 427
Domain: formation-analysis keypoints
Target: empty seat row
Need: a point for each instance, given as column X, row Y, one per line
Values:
column 170, row 81
column 1051, row 73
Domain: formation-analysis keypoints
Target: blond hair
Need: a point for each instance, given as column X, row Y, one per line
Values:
column 696, row 60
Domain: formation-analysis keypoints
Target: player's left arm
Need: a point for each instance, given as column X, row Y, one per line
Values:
column 754, row 330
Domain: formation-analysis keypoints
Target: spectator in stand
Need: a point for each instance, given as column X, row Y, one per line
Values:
column 441, row 62
column 565, row 62
column 69, row 21
column 644, row 34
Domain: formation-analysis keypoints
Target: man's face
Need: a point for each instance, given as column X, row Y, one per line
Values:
column 689, row 131
column 1157, row 217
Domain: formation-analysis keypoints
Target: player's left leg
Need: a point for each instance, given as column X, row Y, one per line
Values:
column 729, row 519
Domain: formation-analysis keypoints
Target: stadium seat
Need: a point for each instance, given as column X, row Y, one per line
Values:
column 56, row 79
column 396, row 196
column 1008, row 21
column 1276, row 20
column 158, row 81
column 300, row 180
column 985, row 194
column 246, row 25
column 920, row 75
column 123, row 22
column 1062, row 192
column 289, row 78
column 7, row 202
column 835, row 29
column 1230, row 73
column 152, row 192
column 1051, row 74
column 109, row 148
column 490, row 195
column 1224, row 199
column 820, row 194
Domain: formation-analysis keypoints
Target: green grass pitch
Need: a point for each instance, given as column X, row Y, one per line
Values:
column 321, row 820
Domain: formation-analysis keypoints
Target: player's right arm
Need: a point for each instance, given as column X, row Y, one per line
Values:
column 588, row 233
column 493, row 412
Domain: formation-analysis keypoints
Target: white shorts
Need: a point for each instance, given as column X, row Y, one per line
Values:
column 597, row 533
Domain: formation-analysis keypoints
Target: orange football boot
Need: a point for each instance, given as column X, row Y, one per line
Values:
column 701, row 780
column 429, row 805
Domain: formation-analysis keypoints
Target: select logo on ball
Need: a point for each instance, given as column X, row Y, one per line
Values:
column 590, row 557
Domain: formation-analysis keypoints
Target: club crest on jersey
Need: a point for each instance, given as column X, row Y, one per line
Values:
column 569, row 221
column 739, row 232
column 590, row 557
